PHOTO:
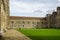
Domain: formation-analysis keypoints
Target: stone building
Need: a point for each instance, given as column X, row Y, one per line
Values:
column 50, row 21
column 53, row 20
column 25, row 22
column 58, row 17
column 4, row 14
column 44, row 22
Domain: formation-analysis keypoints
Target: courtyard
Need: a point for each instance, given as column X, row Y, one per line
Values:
column 14, row 14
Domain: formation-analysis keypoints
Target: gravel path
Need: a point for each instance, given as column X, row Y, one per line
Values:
column 15, row 35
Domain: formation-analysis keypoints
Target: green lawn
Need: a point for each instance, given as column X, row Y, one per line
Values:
column 41, row 34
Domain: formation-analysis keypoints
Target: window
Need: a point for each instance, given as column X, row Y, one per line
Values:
column 37, row 22
column 28, row 22
column 32, row 22
column 23, row 25
column 12, row 22
column 42, row 22
column 37, row 25
column 18, row 22
column 23, row 22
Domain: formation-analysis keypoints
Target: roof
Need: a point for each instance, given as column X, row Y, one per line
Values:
column 23, row 17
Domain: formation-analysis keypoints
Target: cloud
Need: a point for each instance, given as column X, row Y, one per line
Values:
column 32, row 7
column 58, row 0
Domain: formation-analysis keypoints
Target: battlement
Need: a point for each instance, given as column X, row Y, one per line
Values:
column 58, row 8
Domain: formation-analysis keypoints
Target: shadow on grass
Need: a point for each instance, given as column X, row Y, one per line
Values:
column 44, row 37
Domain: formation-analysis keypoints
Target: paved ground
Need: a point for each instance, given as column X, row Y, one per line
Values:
column 15, row 35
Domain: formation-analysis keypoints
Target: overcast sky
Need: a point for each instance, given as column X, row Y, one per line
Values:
column 33, row 8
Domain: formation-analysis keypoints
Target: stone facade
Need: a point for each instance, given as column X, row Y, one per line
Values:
column 0, row 14
column 58, row 17
column 4, row 14
column 25, row 22
column 53, row 20
column 48, row 19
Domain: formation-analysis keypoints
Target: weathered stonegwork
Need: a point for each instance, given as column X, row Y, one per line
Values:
column 25, row 22
column 53, row 21
column 4, row 14
column 58, row 17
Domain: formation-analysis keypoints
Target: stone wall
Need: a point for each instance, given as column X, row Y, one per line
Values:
column 58, row 17
column 25, row 22
column 53, row 21
column 4, row 14
column 0, row 14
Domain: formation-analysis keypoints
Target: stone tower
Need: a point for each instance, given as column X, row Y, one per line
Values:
column 4, row 14
column 58, row 17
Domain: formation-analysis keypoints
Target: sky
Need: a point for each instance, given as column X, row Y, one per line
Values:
column 33, row 8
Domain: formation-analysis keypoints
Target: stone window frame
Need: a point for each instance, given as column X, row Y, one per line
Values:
column 23, row 25
column 28, row 22
column 23, row 22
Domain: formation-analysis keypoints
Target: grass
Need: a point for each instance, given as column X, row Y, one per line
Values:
column 41, row 34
